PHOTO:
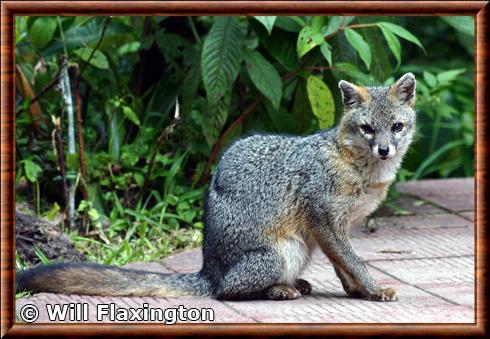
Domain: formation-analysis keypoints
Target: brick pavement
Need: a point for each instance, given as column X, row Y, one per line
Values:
column 427, row 254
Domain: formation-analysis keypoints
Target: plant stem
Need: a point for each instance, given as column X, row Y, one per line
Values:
column 193, row 29
column 163, row 136
column 60, row 155
column 328, row 37
column 62, row 35
column 38, row 198
column 358, row 26
column 435, row 131
column 83, row 166
column 66, row 93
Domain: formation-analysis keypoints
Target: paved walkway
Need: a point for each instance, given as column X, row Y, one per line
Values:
column 427, row 254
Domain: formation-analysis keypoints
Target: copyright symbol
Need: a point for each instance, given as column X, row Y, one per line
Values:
column 29, row 313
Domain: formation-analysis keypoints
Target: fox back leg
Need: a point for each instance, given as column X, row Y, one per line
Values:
column 255, row 275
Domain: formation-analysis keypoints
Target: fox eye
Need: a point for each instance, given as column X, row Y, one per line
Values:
column 367, row 129
column 397, row 127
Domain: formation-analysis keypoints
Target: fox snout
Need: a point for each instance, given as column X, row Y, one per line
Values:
column 384, row 151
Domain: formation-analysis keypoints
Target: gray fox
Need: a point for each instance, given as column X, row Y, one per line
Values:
column 270, row 201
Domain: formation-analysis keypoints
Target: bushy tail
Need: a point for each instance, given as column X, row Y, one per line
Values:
column 91, row 279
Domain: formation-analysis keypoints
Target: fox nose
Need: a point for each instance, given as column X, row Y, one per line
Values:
column 383, row 150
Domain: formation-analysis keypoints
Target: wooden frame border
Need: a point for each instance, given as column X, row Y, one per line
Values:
column 9, row 9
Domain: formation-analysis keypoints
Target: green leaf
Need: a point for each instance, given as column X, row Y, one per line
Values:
column 430, row 79
column 283, row 48
column 20, row 28
column 98, row 59
column 116, row 131
column 55, row 208
column 317, row 22
column 464, row 24
column 129, row 158
column 333, row 25
column 308, row 38
column 321, row 101
column 393, row 44
column 267, row 21
column 32, row 170
column 221, row 57
column 85, row 35
column 326, row 50
column 170, row 44
column 419, row 173
column 302, row 113
column 299, row 20
column 264, row 76
column 215, row 118
column 190, row 86
column 402, row 33
column 360, row 45
column 352, row 71
column 82, row 20
column 131, row 115
column 174, row 170
column 283, row 121
column 130, row 47
column 289, row 24
column 41, row 31
column 448, row 76
column 381, row 67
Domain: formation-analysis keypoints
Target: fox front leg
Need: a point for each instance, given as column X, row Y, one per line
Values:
column 348, row 285
column 340, row 252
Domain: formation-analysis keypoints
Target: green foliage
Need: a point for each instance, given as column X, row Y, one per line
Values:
column 308, row 39
column 264, row 76
column 267, row 21
column 401, row 32
column 221, row 57
column 41, row 32
column 393, row 44
column 464, row 24
column 94, row 57
column 145, row 202
column 321, row 100
column 220, row 62
column 31, row 170
column 360, row 45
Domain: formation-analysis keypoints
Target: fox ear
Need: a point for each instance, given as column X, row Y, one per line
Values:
column 352, row 96
column 404, row 89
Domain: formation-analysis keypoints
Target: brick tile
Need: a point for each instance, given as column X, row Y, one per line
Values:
column 468, row 215
column 329, row 304
column 416, row 221
column 410, row 242
column 453, row 194
column 438, row 186
column 450, row 278
column 461, row 202
column 410, row 205
column 185, row 262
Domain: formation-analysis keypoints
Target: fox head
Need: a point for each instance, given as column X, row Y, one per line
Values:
column 379, row 120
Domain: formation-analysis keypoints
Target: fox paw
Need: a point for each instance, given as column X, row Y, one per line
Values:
column 353, row 292
column 303, row 286
column 384, row 294
column 282, row 292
